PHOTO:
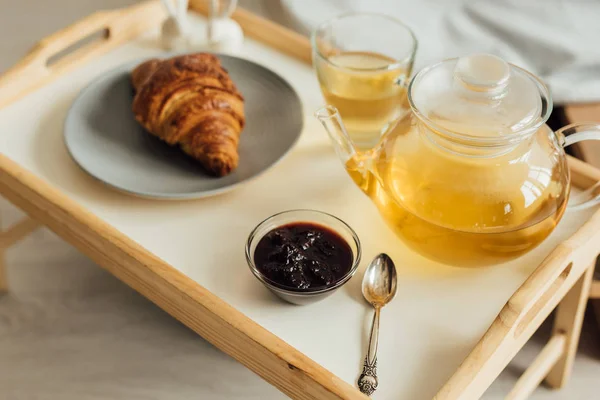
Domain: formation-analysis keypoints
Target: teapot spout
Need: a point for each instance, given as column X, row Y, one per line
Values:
column 332, row 121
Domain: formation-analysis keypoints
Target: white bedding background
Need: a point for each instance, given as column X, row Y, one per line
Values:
column 558, row 40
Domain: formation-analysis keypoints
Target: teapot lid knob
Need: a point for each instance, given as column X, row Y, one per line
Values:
column 482, row 73
column 480, row 95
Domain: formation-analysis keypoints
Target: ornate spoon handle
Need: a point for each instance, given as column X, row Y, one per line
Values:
column 367, row 382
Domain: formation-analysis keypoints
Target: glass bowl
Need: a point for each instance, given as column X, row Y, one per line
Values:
column 310, row 295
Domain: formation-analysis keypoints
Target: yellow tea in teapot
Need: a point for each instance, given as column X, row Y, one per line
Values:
column 472, row 176
column 366, row 93
column 505, row 210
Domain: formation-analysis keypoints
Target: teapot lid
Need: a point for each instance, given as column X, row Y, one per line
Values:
column 480, row 95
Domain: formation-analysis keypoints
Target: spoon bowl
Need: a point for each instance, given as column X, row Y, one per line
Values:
column 379, row 282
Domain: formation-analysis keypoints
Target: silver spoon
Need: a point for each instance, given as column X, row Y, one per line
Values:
column 378, row 288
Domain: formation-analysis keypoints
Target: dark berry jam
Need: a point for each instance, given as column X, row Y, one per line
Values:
column 303, row 256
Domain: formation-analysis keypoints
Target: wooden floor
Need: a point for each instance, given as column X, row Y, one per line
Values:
column 69, row 330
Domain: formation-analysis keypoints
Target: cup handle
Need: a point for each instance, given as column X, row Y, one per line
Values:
column 576, row 133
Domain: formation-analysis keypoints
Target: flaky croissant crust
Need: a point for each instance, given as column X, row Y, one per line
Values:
column 192, row 102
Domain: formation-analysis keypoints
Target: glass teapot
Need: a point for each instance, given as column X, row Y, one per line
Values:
column 471, row 176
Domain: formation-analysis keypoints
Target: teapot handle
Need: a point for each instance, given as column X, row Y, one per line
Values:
column 576, row 133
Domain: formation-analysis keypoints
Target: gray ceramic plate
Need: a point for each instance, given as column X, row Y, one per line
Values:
column 105, row 140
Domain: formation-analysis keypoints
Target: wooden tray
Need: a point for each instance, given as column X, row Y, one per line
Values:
column 187, row 257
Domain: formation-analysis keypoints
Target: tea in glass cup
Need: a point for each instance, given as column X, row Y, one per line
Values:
column 363, row 62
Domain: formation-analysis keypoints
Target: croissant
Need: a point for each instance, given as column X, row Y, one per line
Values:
column 191, row 101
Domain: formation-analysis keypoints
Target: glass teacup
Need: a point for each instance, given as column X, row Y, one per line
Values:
column 363, row 61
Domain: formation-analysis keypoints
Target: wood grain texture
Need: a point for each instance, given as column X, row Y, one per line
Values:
column 568, row 321
column 34, row 70
column 226, row 328
column 524, row 312
column 538, row 369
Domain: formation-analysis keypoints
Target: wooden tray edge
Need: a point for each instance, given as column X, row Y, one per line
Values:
column 111, row 28
column 222, row 325
column 256, row 348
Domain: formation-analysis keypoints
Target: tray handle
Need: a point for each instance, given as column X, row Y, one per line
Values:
column 583, row 175
column 524, row 312
column 76, row 44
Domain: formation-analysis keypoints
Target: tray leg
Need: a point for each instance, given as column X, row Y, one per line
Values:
column 539, row 369
column 595, row 293
column 3, row 281
column 596, row 307
column 8, row 238
column 568, row 321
